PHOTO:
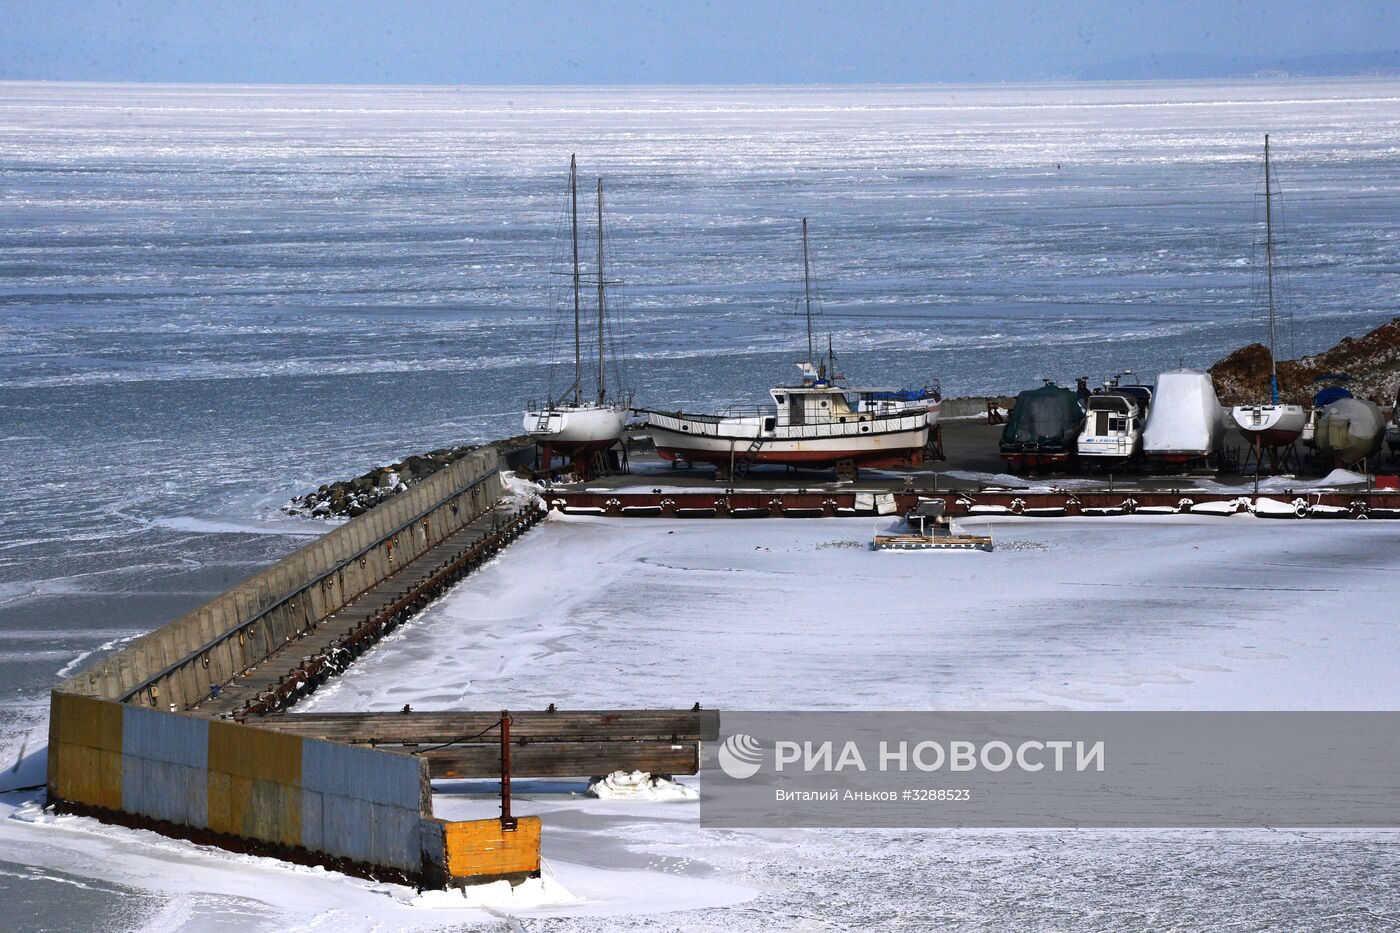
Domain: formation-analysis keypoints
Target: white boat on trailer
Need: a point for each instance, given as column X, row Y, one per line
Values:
column 817, row 423
column 570, row 424
column 1270, row 426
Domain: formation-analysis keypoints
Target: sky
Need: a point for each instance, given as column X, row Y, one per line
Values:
column 697, row 42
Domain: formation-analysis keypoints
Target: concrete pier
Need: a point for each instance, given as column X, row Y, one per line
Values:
column 141, row 737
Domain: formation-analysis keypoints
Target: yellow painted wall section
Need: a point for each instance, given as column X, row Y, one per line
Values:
column 255, row 783
column 477, row 848
column 85, row 750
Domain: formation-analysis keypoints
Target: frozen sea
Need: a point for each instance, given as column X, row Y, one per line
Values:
column 214, row 297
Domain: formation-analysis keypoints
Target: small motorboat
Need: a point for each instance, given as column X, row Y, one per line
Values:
column 1113, row 422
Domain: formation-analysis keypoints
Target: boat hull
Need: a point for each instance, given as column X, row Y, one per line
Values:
column 1036, row 459
column 576, row 429
column 884, row 449
column 1270, row 425
column 1109, row 449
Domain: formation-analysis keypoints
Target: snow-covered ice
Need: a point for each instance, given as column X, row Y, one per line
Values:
column 1171, row 612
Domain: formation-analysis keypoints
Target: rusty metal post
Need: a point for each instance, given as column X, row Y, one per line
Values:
column 507, row 821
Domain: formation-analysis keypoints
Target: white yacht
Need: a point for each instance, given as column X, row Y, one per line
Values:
column 1114, row 417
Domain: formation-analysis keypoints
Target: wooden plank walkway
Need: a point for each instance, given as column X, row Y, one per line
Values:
column 432, row 727
column 336, row 628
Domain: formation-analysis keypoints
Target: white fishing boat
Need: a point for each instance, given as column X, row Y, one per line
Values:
column 816, row 422
column 1270, row 425
column 572, row 424
column 1185, row 422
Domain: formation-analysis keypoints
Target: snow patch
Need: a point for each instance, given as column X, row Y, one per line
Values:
column 530, row 894
column 639, row 785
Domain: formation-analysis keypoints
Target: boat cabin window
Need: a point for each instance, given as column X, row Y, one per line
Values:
column 1118, row 424
column 769, row 423
column 780, row 399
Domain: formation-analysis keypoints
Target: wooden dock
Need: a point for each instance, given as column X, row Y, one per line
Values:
column 323, row 650
column 543, row 744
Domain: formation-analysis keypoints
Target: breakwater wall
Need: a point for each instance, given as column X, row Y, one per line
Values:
column 128, row 743
column 973, row 406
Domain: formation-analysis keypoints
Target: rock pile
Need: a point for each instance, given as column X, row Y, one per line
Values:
column 1372, row 362
column 353, row 497
column 350, row 497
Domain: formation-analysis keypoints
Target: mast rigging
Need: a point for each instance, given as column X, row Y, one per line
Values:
column 1269, row 270
column 602, row 389
column 578, row 343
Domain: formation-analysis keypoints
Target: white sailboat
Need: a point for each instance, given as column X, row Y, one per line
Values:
column 571, row 424
column 1270, row 425
column 814, row 423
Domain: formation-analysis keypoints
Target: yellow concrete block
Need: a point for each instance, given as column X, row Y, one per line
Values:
column 254, row 753
column 477, row 848
column 73, row 773
column 79, row 720
column 220, row 797
column 253, row 809
column 273, row 813
column 86, row 775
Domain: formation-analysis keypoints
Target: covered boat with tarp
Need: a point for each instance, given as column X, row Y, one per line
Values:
column 1349, row 430
column 1043, row 427
column 1185, row 423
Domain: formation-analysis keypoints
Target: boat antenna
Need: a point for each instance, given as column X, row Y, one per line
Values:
column 578, row 342
column 807, row 292
column 1269, row 269
column 601, row 383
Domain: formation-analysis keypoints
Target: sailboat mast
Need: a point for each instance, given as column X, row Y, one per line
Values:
column 1269, row 269
column 578, row 341
column 601, row 383
column 807, row 292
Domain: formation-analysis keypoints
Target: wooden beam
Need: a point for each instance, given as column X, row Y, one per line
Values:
column 437, row 727
column 564, row 759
